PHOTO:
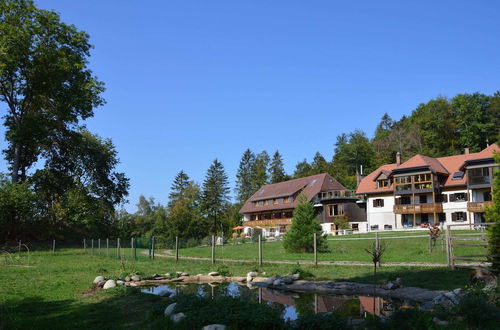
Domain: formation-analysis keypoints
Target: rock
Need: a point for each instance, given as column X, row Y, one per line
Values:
column 99, row 279
column 120, row 282
column 214, row 327
column 440, row 322
column 177, row 317
column 264, row 273
column 168, row 275
column 287, row 280
column 170, row 309
column 213, row 274
column 109, row 284
column 101, row 284
column 135, row 278
column 249, row 279
column 277, row 282
column 390, row 286
column 127, row 278
column 270, row 280
column 184, row 274
column 155, row 275
column 252, row 274
column 295, row 277
column 398, row 281
column 178, row 273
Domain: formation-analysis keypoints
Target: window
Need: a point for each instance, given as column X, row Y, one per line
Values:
column 424, row 218
column 442, row 217
column 382, row 183
column 266, row 202
column 422, row 177
column 336, row 209
column 441, row 198
column 286, row 200
column 479, row 176
column 379, row 202
column 458, row 197
column 423, row 199
column 458, row 216
column 261, row 203
column 355, row 227
column 458, row 175
column 275, row 201
column 487, row 196
column 403, row 179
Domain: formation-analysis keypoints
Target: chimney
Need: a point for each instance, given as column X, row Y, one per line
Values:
column 466, row 151
column 398, row 158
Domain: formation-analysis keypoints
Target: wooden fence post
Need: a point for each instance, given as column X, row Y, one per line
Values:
column 118, row 248
column 153, row 247
column 92, row 246
column 260, row 249
column 19, row 248
column 213, row 248
column 84, row 246
column 135, row 250
column 448, row 259
column 132, row 248
column 53, row 246
column 107, row 247
column 315, row 249
column 99, row 245
column 176, row 248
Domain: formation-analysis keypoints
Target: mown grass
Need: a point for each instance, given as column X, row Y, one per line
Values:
column 345, row 248
column 50, row 294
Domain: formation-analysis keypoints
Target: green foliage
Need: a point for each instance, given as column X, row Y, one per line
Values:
column 411, row 318
column 260, row 171
column 223, row 271
column 244, row 314
column 477, row 311
column 277, row 169
column 244, row 177
column 304, row 224
column 320, row 321
column 304, row 274
column 342, row 222
column 493, row 215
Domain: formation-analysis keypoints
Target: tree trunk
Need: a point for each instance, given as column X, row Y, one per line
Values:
column 15, row 165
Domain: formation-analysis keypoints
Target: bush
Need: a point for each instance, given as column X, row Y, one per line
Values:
column 304, row 274
column 321, row 321
column 477, row 311
column 403, row 319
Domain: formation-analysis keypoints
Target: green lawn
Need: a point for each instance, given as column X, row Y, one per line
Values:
column 50, row 293
column 345, row 248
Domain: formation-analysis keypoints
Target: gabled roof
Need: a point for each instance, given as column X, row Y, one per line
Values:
column 445, row 166
column 310, row 185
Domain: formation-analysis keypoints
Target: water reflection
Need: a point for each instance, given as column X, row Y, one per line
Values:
column 291, row 304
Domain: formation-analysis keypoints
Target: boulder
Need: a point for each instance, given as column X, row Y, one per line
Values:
column 184, row 274
column 120, row 282
column 440, row 322
column 109, row 284
column 287, row 280
column 252, row 274
column 99, row 279
column 214, row 327
column 213, row 274
column 101, row 284
column 295, row 277
column 170, row 309
column 277, row 282
column 127, row 278
column 179, row 273
column 177, row 317
column 135, row 278
column 168, row 275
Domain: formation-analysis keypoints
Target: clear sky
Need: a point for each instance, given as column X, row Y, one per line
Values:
column 191, row 81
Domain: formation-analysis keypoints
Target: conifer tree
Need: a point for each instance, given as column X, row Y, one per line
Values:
column 493, row 215
column 276, row 169
column 215, row 195
column 319, row 164
column 302, row 169
column 260, row 177
column 244, row 177
column 299, row 237
column 178, row 187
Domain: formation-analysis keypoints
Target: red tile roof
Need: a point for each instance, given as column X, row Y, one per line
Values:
column 442, row 165
column 311, row 186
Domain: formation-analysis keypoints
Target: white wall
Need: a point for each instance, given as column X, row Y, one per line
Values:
column 380, row 215
column 451, row 207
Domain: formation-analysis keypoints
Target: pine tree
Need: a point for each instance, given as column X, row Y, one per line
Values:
column 215, row 195
column 260, row 177
column 277, row 170
column 299, row 237
column 493, row 215
column 178, row 187
column 319, row 164
column 302, row 169
column 244, row 177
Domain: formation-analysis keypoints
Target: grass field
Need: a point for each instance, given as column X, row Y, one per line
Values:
column 347, row 248
column 53, row 293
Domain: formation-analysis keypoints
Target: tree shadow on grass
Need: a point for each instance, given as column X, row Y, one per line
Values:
column 126, row 309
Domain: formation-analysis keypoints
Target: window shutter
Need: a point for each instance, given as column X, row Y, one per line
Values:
column 445, row 198
column 374, row 203
column 453, row 217
column 453, row 197
column 381, row 203
column 466, row 196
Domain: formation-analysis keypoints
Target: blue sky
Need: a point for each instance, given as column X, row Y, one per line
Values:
column 191, row 81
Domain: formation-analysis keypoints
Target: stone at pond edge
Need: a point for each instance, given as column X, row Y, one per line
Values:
column 135, row 278
column 252, row 274
column 214, row 327
column 213, row 274
column 177, row 317
column 99, row 279
column 184, row 274
column 127, row 278
column 101, row 284
column 120, row 282
column 170, row 309
column 295, row 277
column 109, row 284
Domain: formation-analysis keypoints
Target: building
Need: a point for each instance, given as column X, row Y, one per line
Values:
column 425, row 190
column 271, row 207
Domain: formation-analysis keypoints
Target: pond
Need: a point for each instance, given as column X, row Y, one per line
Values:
column 293, row 304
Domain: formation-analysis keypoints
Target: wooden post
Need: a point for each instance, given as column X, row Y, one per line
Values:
column 92, row 246
column 19, row 248
column 132, row 248
column 260, row 249
column 430, row 244
column 107, row 247
column 448, row 259
column 99, row 245
column 53, row 246
column 84, row 245
column 118, row 248
column 153, row 247
column 213, row 249
column 315, row 247
column 176, row 248
column 135, row 249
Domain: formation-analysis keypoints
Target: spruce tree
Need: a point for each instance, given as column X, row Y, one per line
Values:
column 492, row 215
column 178, row 187
column 277, row 170
column 260, row 177
column 244, row 177
column 299, row 237
column 215, row 195
column 319, row 164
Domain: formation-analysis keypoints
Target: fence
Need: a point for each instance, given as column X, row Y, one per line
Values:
column 455, row 244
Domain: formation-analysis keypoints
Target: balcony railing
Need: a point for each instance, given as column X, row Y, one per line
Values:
column 336, row 194
column 418, row 208
column 477, row 206
column 267, row 223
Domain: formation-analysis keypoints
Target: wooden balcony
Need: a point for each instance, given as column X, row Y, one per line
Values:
column 418, row 208
column 268, row 223
column 477, row 206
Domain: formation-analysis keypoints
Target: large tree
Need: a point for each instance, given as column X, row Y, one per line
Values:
column 260, row 173
column 178, row 188
column 44, row 81
column 493, row 215
column 184, row 215
column 277, row 168
column 244, row 177
column 215, row 195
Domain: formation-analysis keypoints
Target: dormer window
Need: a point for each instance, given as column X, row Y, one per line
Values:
column 286, row 200
column 383, row 183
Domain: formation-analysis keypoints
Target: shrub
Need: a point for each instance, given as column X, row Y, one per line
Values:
column 321, row 321
column 223, row 271
column 477, row 311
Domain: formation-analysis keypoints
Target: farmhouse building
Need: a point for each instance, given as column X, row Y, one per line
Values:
column 425, row 190
column 271, row 208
